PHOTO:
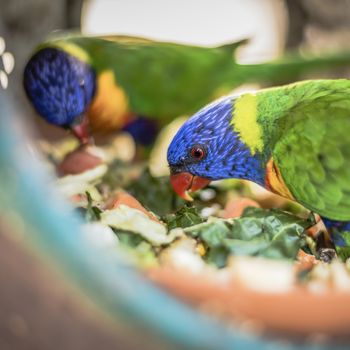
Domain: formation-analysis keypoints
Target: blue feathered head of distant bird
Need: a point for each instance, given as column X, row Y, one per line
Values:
column 207, row 148
column 59, row 86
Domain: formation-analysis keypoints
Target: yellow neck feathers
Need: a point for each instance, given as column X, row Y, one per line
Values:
column 245, row 123
column 72, row 49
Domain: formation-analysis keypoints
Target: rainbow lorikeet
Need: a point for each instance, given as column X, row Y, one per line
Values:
column 97, row 85
column 293, row 140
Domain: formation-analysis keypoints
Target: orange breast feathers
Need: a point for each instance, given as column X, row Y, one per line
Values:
column 274, row 181
column 109, row 110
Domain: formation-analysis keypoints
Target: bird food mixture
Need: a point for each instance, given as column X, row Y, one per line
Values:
column 227, row 233
column 124, row 205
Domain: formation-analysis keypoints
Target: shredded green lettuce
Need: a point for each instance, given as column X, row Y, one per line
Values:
column 258, row 232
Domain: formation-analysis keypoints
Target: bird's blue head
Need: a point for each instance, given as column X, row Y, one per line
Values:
column 207, row 148
column 59, row 86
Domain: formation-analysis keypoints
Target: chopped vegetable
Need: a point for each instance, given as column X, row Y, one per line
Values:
column 74, row 184
column 264, row 275
column 93, row 213
column 127, row 207
column 155, row 193
column 184, row 217
column 100, row 235
column 130, row 201
column 258, row 232
column 81, row 159
column 134, row 220
column 234, row 208
column 183, row 254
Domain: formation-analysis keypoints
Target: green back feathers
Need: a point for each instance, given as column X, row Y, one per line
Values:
column 161, row 80
column 306, row 129
column 164, row 80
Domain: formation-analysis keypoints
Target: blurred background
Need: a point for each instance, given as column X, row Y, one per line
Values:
column 272, row 27
column 37, row 309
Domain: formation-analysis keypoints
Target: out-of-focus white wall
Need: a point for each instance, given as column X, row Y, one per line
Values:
column 201, row 22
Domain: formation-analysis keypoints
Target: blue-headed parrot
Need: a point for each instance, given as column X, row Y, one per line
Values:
column 293, row 140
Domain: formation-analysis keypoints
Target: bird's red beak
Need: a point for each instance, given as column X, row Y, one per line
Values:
column 81, row 131
column 183, row 183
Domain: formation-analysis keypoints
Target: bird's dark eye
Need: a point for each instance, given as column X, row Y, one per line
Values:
column 198, row 152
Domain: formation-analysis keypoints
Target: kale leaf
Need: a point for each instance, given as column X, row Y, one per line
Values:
column 184, row 217
column 258, row 232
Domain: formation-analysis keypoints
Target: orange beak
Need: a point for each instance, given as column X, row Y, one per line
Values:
column 183, row 183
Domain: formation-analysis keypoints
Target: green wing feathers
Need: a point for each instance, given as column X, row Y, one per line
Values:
column 163, row 80
column 310, row 135
column 155, row 75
